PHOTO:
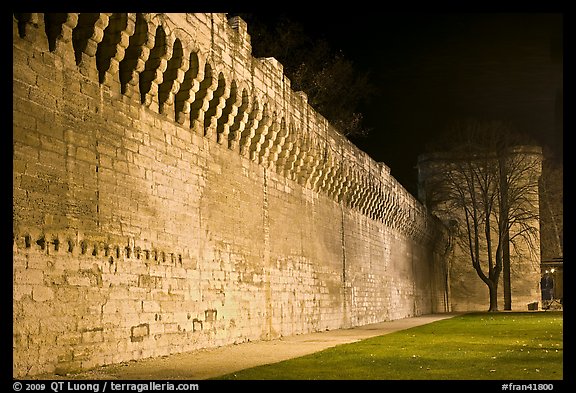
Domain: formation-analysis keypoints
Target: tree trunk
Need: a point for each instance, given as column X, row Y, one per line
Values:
column 505, row 232
column 506, row 271
column 493, row 289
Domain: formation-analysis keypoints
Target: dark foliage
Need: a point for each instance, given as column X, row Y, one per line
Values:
column 333, row 85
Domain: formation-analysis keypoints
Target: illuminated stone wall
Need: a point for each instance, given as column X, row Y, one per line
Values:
column 171, row 192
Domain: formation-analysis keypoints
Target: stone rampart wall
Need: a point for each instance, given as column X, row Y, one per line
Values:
column 171, row 192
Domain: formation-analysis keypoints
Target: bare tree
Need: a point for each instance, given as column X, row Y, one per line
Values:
column 488, row 187
column 519, row 207
column 551, row 208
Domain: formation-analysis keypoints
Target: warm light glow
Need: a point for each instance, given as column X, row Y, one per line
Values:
column 552, row 270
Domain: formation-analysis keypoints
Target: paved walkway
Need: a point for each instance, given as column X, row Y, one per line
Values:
column 214, row 362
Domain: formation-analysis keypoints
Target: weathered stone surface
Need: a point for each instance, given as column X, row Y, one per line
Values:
column 171, row 193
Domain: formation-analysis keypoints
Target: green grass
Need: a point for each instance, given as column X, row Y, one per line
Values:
column 476, row 346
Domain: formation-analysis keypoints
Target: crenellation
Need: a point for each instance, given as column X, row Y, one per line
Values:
column 153, row 73
column 299, row 174
column 248, row 134
column 200, row 105
column 286, row 153
column 26, row 24
column 215, row 107
column 229, row 112
column 111, row 49
column 135, row 55
column 86, row 36
column 277, row 143
column 241, row 119
column 241, row 42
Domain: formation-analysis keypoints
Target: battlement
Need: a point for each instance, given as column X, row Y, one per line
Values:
column 196, row 70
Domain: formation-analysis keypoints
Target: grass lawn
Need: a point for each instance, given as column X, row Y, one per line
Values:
column 476, row 346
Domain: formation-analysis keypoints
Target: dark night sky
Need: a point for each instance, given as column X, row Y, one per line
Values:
column 432, row 68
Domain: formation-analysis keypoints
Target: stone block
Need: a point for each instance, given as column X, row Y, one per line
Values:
column 19, row 291
column 93, row 335
column 150, row 306
column 137, row 333
column 85, row 154
column 78, row 280
column 28, row 276
column 42, row 293
column 69, row 339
